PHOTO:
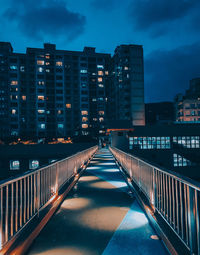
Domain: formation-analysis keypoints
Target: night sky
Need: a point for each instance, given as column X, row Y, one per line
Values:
column 169, row 30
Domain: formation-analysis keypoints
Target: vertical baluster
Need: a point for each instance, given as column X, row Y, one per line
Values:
column 6, row 215
column 181, row 211
column 12, row 211
column 1, row 219
column 21, row 204
column 167, row 197
column 186, row 216
column 35, row 193
column 16, row 206
column 24, row 199
column 177, row 209
column 28, row 198
column 31, row 191
column 173, row 204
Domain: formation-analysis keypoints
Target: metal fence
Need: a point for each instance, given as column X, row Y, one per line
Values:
column 174, row 197
column 23, row 197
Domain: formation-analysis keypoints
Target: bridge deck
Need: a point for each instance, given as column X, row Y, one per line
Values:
column 100, row 216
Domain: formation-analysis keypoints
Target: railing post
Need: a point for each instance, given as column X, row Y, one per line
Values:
column 38, row 192
column 56, row 191
column 153, row 191
column 192, row 200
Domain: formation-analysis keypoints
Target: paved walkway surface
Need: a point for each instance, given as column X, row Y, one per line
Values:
column 100, row 216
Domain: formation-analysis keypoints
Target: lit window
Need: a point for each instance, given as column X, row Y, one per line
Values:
column 60, row 125
column 101, row 119
column 40, row 62
column 42, row 126
column 126, row 68
column 84, row 119
column 101, row 85
column 13, row 67
column 101, row 112
column 59, row 111
column 40, row 69
column 22, row 69
column 94, row 119
column 47, row 63
column 84, row 125
column 94, row 99
column 33, row 164
column 83, row 71
column 14, row 83
column 13, row 111
column 100, row 79
column 68, row 106
column 41, row 111
column 106, row 72
column 84, row 112
column 47, row 56
column 41, row 98
column 100, row 66
column 47, row 70
column 24, row 98
column 40, row 82
column 100, row 73
column 59, row 63
column 14, row 165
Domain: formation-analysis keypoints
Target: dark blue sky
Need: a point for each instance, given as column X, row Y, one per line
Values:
column 168, row 30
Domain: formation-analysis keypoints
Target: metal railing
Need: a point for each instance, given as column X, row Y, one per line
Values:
column 22, row 198
column 174, row 197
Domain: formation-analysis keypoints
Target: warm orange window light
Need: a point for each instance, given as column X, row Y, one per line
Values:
column 84, row 125
column 106, row 72
column 14, row 82
column 84, row 119
column 101, row 112
column 68, row 106
column 100, row 79
column 14, row 111
column 23, row 98
column 84, row 112
column 100, row 73
column 59, row 63
column 40, row 62
column 40, row 97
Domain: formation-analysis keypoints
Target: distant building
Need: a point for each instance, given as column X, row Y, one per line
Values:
column 50, row 93
column 127, row 92
column 159, row 113
column 188, row 105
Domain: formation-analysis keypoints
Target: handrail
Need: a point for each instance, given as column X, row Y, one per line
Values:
column 23, row 197
column 175, row 198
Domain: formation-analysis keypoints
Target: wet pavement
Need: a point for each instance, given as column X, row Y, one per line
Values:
column 100, row 216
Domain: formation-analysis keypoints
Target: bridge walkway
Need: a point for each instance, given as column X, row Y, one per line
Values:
column 100, row 216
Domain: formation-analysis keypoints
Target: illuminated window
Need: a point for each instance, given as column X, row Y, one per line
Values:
column 14, row 83
column 100, row 73
column 47, row 63
column 42, row 126
column 94, row 119
column 47, row 70
column 40, row 62
column 40, row 82
column 100, row 66
column 83, row 71
column 101, row 112
column 106, row 72
column 68, row 106
column 13, row 67
column 40, row 69
column 59, row 63
column 100, row 79
column 101, row 85
column 24, row 98
column 22, row 69
column 101, row 119
column 13, row 111
column 33, row 164
column 41, row 111
column 84, row 119
column 84, row 112
column 84, row 125
column 60, row 125
column 59, row 111
column 94, row 99
column 126, row 68
column 41, row 98
column 14, row 165
column 47, row 56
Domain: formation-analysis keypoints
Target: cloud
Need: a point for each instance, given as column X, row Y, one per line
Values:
column 51, row 19
column 169, row 72
column 104, row 5
column 159, row 16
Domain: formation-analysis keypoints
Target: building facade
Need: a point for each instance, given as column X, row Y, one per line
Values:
column 188, row 105
column 50, row 93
